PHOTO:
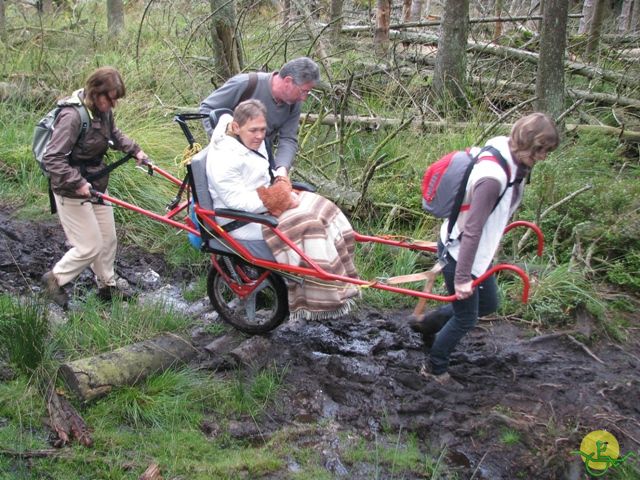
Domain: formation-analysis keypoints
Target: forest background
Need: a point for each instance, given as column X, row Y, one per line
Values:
column 406, row 83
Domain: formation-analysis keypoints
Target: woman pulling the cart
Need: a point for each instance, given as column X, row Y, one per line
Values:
column 493, row 199
column 74, row 156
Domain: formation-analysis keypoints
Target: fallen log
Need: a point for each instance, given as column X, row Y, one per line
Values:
column 343, row 196
column 379, row 122
column 354, row 29
column 93, row 377
column 595, row 97
column 151, row 473
column 575, row 68
column 65, row 421
column 253, row 352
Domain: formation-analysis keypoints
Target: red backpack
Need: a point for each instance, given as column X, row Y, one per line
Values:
column 445, row 182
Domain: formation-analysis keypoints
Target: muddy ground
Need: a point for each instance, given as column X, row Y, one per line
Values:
column 361, row 375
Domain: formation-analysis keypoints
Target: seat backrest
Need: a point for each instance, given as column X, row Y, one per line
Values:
column 198, row 177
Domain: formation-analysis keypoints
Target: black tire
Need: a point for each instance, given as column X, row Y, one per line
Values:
column 260, row 312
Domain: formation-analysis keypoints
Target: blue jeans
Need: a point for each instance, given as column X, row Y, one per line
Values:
column 464, row 315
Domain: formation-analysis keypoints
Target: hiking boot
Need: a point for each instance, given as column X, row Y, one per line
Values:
column 444, row 379
column 53, row 290
column 430, row 324
column 111, row 292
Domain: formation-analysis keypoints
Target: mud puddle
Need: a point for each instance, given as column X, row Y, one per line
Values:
column 527, row 398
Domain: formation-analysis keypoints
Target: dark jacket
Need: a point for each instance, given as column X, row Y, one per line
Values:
column 68, row 162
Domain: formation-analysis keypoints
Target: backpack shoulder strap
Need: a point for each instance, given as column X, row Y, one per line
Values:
column 76, row 102
column 501, row 161
column 85, row 120
column 251, row 87
column 462, row 189
column 457, row 204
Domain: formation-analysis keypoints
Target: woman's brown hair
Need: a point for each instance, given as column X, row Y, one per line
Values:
column 104, row 80
column 532, row 134
column 248, row 110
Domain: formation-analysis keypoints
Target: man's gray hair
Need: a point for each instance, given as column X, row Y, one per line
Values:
column 302, row 70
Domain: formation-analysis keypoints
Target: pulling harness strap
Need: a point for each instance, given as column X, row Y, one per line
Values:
column 106, row 170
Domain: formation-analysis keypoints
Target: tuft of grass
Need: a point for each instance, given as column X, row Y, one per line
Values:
column 24, row 332
column 556, row 292
column 196, row 290
column 391, row 454
column 165, row 401
column 251, row 397
column 509, row 437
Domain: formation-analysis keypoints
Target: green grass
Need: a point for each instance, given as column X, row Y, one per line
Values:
column 392, row 456
column 509, row 437
column 24, row 330
column 592, row 240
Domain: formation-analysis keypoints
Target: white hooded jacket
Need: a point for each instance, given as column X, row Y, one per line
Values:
column 234, row 173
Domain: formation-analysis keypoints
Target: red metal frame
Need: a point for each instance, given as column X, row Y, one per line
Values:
column 314, row 270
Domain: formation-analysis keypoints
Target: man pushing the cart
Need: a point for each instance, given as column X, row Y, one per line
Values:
column 282, row 93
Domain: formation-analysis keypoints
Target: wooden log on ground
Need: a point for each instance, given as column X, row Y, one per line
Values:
column 354, row 29
column 65, row 421
column 254, row 352
column 574, row 68
column 93, row 377
column 596, row 97
column 151, row 473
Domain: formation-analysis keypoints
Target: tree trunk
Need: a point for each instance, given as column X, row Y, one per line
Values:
column 313, row 33
column 115, row 17
column 226, row 47
column 593, row 39
column 416, row 10
column 634, row 24
column 497, row 32
column 93, row 377
column 624, row 20
column 406, row 10
column 553, row 41
column 451, row 60
column 285, row 12
column 44, row 6
column 336, row 20
column 381, row 35
column 3, row 26
column 587, row 15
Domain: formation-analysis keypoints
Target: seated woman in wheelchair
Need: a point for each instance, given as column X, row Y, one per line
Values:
column 239, row 177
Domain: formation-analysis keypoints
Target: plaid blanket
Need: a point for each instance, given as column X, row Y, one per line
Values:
column 320, row 229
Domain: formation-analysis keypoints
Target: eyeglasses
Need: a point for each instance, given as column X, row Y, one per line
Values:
column 303, row 91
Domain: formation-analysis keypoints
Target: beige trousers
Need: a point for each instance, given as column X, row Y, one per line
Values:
column 91, row 231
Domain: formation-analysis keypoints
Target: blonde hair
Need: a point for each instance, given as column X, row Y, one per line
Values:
column 532, row 134
column 103, row 81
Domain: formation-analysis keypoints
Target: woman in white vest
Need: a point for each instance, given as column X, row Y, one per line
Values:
column 493, row 195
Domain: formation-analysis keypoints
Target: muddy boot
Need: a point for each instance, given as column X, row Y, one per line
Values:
column 430, row 324
column 110, row 292
column 444, row 379
column 53, row 290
